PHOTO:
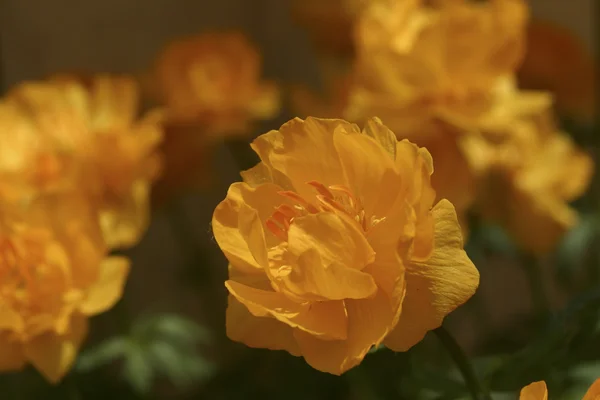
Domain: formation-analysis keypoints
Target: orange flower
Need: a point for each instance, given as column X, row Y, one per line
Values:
column 557, row 61
column 89, row 133
column 533, row 172
column 335, row 245
column 213, row 80
column 431, row 70
column 539, row 391
column 53, row 277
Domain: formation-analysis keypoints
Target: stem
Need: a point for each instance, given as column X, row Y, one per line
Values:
column 464, row 365
column 536, row 283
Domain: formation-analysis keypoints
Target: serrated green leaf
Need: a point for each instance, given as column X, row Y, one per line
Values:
column 103, row 354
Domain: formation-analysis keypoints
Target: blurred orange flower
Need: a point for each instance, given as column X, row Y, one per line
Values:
column 430, row 71
column 53, row 276
column 211, row 88
column 89, row 133
column 557, row 61
column 539, row 391
column 534, row 170
column 213, row 80
column 335, row 245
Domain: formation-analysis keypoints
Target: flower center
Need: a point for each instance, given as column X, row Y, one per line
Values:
column 334, row 198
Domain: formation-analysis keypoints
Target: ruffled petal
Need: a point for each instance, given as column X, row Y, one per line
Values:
column 108, row 289
column 369, row 320
column 435, row 287
column 369, row 171
column 314, row 280
column 53, row 355
column 338, row 240
column 240, row 215
column 325, row 319
column 258, row 332
column 304, row 151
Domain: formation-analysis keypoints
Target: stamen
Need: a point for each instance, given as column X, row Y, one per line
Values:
column 347, row 192
column 323, row 191
column 276, row 229
column 298, row 199
column 331, row 205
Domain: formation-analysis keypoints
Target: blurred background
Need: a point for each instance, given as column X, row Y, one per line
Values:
column 175, row 273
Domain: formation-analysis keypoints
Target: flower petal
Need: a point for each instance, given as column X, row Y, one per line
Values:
column 435, row 287
column 291, row 151
column 369, row 171
column 12, row 358
column 593, row 392
column 534, row 391
column 53, row 355
column 258, row 332
column 243, row 211
column 338, row 240
column 312, row 279
column 325, row 319
column 108, row 289
column 369, row 320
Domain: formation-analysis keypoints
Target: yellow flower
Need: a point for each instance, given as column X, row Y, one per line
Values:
column 89, row 133
column 539, row 391
column 335, row 245
column 430, row 72
column 53, row 277
column 534, row 170
column 213, row 80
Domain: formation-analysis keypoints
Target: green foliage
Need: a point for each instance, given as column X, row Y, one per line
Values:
column 158, row 346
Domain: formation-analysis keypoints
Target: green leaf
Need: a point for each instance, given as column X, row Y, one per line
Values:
column 137, row 371
column 103, row 354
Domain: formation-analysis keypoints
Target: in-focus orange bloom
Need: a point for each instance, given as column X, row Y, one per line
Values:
column 87, row 135
column 211, row 87
column 336, row 245
column 539, row 391
column 557, row 61
column 53, row 276
column 430, row 71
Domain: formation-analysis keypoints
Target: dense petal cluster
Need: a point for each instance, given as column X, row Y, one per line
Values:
column 54, row 275
column 442, row 74
column 69, row 134
column 335, row 244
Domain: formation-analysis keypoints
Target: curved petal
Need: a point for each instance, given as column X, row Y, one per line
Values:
column 435, row 287
column 593, row 392
column 326, row 319
column 244, row 210
column 369, row 320
column 312, row 279
column 303, row 151
column 13, row 358
column 108, row 289
column 338, row 240
column 53, row 355
column 369, row 171
column 258, row 332
column 534, row 391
